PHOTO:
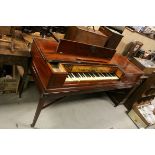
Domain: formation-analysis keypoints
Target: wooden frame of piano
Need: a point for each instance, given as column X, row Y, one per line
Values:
column 51, row 82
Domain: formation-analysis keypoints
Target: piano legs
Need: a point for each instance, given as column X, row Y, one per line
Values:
column 42, row 105
column 39, row 108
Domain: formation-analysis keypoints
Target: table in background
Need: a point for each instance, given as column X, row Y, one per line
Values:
column 20, row 56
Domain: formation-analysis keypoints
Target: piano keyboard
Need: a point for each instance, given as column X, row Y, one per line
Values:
column 90, row 76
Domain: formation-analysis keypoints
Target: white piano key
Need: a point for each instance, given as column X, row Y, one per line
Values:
column 90, row 76
column 74, row 78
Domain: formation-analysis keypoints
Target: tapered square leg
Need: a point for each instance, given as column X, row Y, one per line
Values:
column 39, row 108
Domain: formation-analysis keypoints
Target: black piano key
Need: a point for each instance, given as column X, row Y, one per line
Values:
column 109, row 74
column 76, row 75
column 113, row 74
column 97, row 75
column 105, row 74
column 94, row 74
column 85, row 74
column 101, row 74
column 73, row 75
column 70, row 75
column 91, row 74
column 80, row 76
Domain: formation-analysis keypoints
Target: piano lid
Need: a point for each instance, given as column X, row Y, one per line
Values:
column 67, row 50
column 84, row 50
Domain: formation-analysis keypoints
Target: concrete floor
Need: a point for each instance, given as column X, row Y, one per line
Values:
column 79, row 112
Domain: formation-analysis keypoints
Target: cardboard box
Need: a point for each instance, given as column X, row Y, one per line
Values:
column 10, row 85
column 139, row 119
